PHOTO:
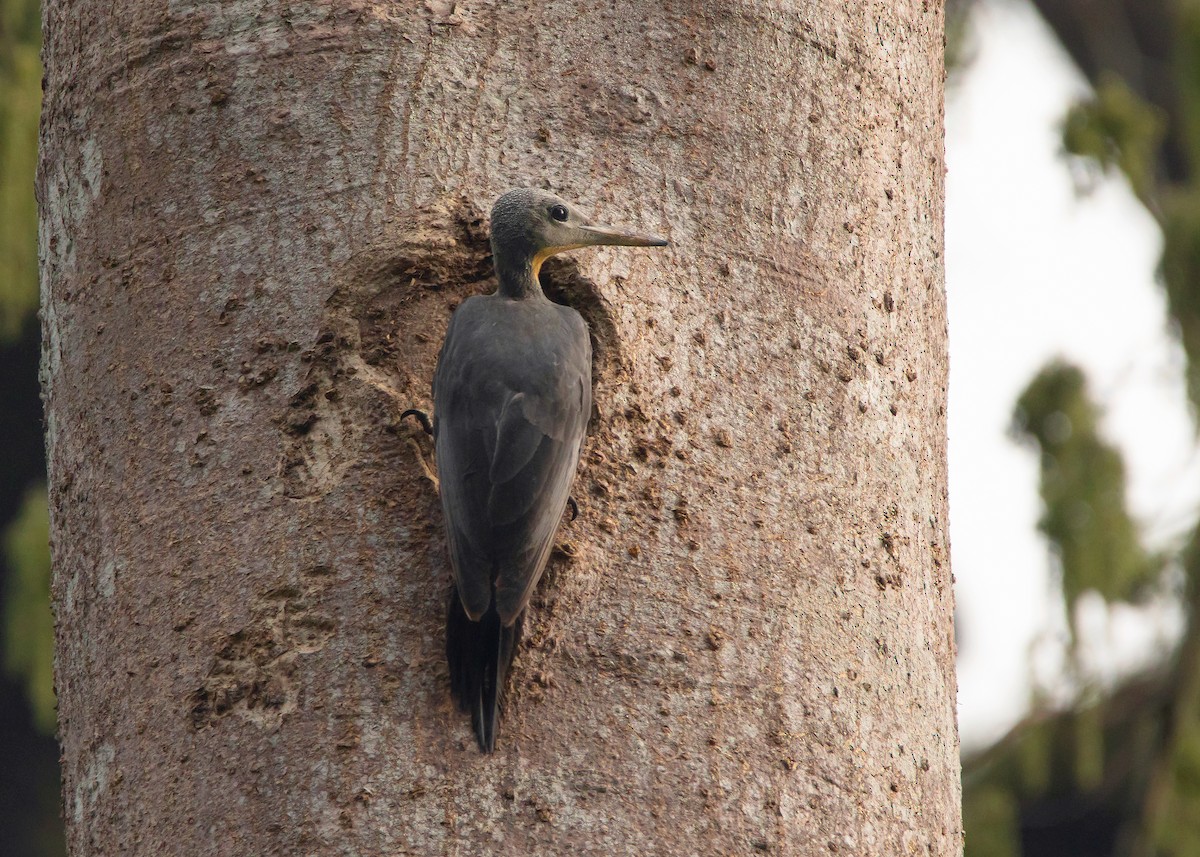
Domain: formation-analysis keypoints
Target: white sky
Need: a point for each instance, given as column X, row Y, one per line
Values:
column 1035, row 270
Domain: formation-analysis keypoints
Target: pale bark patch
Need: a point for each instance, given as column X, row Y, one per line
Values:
column 254, row 669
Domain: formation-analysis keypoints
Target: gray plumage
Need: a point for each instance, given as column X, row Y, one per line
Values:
column 512, row 394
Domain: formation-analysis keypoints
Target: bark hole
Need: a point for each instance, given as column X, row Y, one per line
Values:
column 564, row 284
column 376, row 350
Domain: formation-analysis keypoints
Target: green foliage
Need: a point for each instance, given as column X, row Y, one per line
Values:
column 1033, row 763
column 1186, row 63
column 1098, row 754
column 958, row 48
column 20, row 103
column 1180, row 271
column 1088, row 752
column 1129, row 758
column 1176, row 833
column 1083, row 489
column 991, row 823
column 28, row 623
column 1116, row 128
column 1178, row 206
column 1094, row 757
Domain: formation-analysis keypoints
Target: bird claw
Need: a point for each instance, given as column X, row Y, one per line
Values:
column 429, row 472
column 422, row 418
column 574, row 507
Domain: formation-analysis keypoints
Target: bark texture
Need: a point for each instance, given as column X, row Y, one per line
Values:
column 256, row 219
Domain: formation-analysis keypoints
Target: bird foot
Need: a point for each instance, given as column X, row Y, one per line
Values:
column 574, row 507
column 425, row 468
column 422, row 418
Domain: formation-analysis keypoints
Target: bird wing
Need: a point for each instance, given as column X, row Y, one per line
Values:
column 511, row 418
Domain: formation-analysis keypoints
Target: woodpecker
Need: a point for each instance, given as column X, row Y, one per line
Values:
column 512, row 394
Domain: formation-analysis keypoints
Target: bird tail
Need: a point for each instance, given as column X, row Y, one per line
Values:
column 479, row 655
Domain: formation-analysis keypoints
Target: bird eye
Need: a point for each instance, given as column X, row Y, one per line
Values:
column 559, row 213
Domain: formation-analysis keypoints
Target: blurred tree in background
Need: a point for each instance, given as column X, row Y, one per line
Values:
column 28, row 641
column 1083, row 489
column 1119, row 773
column 30, row 821
column 20, row 102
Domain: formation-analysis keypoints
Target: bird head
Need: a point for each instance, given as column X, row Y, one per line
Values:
column 529, row 226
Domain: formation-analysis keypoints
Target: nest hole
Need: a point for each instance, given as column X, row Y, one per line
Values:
column 564, row 284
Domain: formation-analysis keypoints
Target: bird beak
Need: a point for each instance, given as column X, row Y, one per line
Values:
column 592, row 234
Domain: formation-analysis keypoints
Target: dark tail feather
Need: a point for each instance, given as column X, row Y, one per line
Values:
column 479, row 654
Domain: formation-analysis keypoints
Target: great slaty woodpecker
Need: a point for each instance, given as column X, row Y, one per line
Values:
column 512, row 394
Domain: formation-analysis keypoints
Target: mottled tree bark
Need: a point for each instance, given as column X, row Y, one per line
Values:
column 256, row 218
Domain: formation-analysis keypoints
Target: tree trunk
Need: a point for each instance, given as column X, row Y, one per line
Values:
column 256, row 219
